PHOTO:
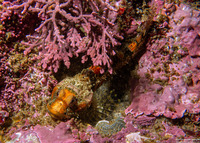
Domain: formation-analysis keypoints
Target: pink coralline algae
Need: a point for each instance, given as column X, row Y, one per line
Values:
column 170, row 69
column 33, row 80
column 7, row 85
column 18, row 92
column 64, row 132
column 40, row 134
column 15, row 26
column 72, row 28
column 3, row 115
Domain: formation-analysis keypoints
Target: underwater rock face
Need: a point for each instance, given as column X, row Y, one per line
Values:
column 170, row 70
column 169, row 85
column 23, row 137
column 41, row 134
column 135, row 137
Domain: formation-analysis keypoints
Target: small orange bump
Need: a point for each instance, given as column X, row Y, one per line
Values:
column 95, row 69
column 121, row 10
column 132, row 46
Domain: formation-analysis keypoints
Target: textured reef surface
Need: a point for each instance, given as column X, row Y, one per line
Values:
column 119, row 71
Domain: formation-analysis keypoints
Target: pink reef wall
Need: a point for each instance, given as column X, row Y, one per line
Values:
column 170, row 69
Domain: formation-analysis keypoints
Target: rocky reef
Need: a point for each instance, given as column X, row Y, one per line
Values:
column 145, row 64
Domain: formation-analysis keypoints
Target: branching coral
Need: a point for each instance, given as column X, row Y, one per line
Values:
column 72, row 28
